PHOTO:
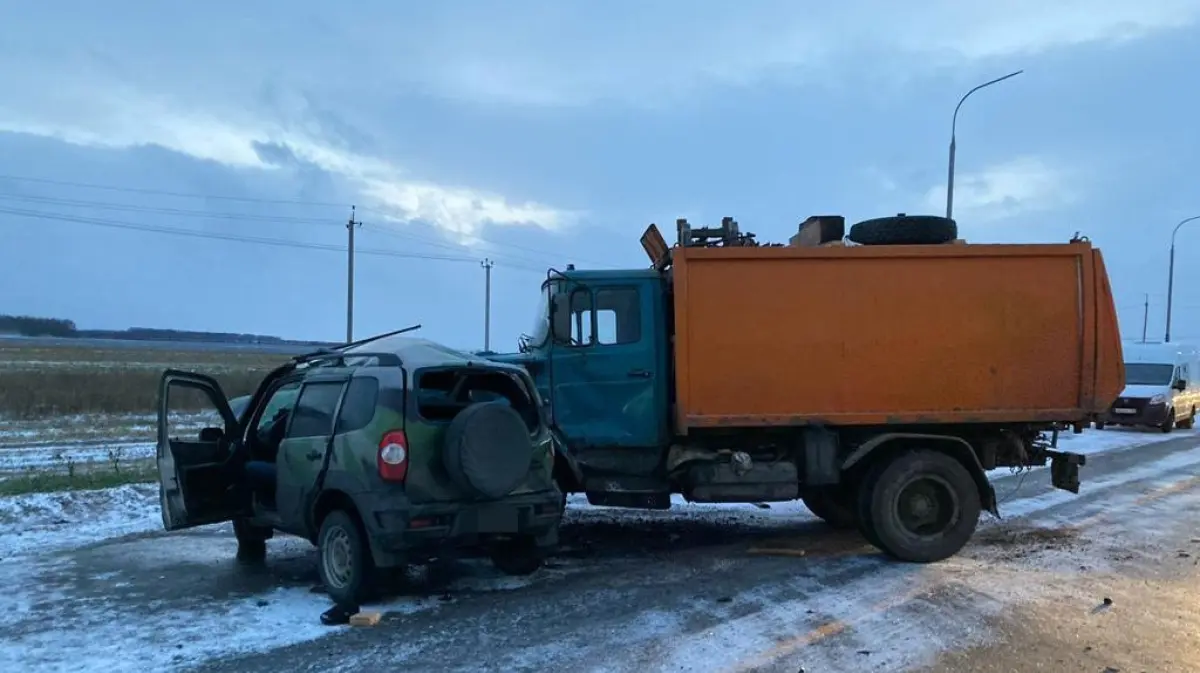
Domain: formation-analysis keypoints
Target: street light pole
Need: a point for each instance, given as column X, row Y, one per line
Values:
column 953, row 127
column 1171, row 274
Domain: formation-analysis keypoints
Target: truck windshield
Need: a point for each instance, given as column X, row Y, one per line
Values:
column 541, row 323
column 1143, row 374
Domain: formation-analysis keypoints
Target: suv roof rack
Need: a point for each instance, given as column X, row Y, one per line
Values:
column 338, row 350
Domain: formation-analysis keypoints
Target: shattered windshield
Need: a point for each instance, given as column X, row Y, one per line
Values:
column 541, row 323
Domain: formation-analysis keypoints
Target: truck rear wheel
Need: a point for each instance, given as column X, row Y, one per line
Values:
column 833, row 505
column 923, row 507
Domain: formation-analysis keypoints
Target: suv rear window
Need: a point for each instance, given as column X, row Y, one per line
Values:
column 443, row 393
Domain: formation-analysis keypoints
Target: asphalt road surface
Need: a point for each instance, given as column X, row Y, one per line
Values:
column 685, row 590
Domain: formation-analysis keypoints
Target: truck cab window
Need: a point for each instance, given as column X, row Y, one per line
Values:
column 605, row 317
column 618, row 316
column 581, row 317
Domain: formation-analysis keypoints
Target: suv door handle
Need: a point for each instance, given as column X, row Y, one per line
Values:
column 314, row 455
column 639, row 374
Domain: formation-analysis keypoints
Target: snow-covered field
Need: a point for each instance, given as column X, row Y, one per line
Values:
column 93, row 584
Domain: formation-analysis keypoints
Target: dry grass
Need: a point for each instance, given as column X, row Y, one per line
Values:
column 45, row 382
column 79, row 478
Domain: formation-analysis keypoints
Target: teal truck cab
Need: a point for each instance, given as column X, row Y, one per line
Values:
column 731, row 371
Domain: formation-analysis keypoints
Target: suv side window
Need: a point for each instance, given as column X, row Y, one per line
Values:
column 358, row 408
column 280, row 401
column 313, row 416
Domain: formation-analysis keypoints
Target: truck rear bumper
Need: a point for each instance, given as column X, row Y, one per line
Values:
column 1064, row 469
column 420, row 532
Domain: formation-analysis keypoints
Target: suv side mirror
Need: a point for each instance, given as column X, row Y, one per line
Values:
column 212, row 434
column 1180, row 385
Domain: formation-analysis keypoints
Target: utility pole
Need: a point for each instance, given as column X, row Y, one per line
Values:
column 487, row 303
column 351, row 225
column 1145, row 316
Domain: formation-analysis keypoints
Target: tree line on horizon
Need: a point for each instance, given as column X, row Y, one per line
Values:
column 34, row 326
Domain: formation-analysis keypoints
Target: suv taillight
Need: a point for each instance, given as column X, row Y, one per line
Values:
column 393, row 456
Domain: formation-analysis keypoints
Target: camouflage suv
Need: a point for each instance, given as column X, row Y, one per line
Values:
column 389, row 451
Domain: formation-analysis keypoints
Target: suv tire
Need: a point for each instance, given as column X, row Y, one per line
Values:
column 344, row 559
column 488, row 450
column 517, row 556
column 926, row 489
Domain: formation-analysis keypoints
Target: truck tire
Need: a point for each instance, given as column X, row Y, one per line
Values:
column 487, row 450
column 833, row 505
column 518, row 556
column 862, row 502
column 905, row 230
column 923, row 507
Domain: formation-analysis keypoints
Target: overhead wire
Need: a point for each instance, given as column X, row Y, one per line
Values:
column 276, row 242
column 231, row 216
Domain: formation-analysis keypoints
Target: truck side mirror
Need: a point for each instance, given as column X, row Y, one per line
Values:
column 1180, row 385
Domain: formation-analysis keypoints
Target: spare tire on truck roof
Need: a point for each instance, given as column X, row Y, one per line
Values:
column 487, row 450
column 905, row 230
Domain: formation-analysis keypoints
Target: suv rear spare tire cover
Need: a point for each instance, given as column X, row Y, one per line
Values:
column 488, row 450
column 905, row 230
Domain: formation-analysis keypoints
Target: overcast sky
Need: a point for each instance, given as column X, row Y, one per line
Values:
column 543, row 133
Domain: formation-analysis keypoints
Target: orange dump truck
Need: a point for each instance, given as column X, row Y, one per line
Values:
column 877, row 380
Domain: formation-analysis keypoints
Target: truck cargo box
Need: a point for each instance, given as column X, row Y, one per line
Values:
column 867, row 335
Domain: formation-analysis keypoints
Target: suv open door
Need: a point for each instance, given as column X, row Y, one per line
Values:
column 197, row 475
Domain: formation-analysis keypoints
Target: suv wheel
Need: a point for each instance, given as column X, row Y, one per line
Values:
column 252, row 541
column 345, row 563
column 517, row 556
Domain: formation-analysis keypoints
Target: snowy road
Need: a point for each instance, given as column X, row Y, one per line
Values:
column 91, row 584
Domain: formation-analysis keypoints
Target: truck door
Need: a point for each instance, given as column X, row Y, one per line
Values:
column 606, row 378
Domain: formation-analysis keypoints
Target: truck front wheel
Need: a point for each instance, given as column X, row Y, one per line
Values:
column 833, row 505
column 923, row 507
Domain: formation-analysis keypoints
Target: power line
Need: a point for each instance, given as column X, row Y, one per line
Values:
column 156, row 210
column 124, row 207
column 276, row 242
column 232, row 217
column 443, row 244
column 160, row 192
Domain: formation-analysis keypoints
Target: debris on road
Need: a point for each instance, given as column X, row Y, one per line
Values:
column 337, row 615
column 771, row 551
column 365, row 619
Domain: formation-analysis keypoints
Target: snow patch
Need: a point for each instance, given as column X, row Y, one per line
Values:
column 44, row 522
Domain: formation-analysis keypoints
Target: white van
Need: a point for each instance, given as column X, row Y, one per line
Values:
column 1162, row 387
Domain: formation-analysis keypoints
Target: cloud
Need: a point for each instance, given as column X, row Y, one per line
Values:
column 123, row 118
column 1015, row 187
column 652, row 54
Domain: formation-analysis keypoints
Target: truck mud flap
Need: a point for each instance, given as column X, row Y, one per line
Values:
column 1064, row 469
